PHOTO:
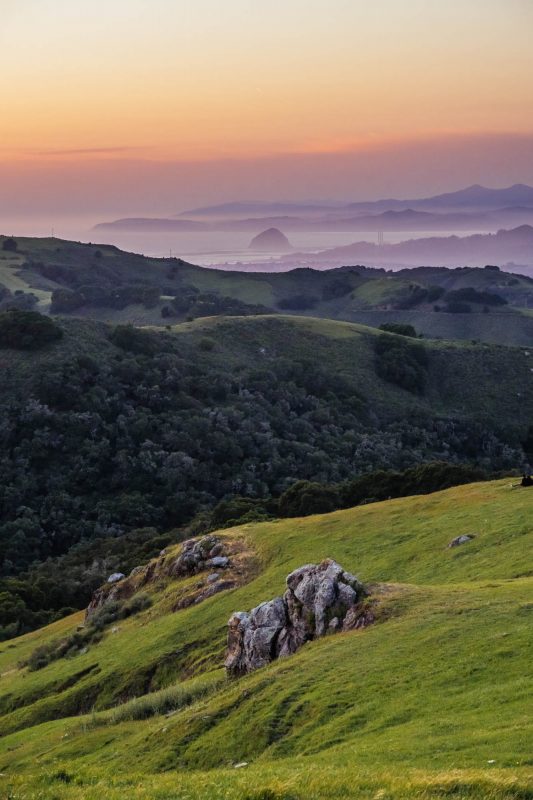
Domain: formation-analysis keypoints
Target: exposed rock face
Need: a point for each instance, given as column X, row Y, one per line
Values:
column 271, row 240
column 319, row 599
column 196, row 556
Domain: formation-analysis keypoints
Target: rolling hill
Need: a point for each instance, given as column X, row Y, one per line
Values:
column 429, row 702
column 103, row 283
column 503, row 247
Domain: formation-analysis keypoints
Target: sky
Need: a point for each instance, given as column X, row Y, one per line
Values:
column 155, row 105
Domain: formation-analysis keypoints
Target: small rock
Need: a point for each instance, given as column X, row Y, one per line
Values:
column 218, row 561
column 115, row 577
column 213, row 577
column 463, row 539
column 240, row 764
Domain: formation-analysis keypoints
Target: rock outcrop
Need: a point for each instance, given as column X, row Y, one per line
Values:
column 271, row 241
column 199, row 554
column 196, row 556
column 319, row 599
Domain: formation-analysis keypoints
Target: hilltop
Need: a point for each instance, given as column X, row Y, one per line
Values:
column 430, row 701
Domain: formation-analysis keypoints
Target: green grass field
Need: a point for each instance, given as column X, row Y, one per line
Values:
column 432, row 701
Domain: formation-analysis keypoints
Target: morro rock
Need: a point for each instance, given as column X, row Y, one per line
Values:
column 320, row 599
column 272, row 240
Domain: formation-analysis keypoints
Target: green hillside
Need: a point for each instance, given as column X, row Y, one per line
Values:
column 431, row 701
column 111, row 431
column 104, row 283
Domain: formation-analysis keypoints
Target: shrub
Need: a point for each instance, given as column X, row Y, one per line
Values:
column 65, row 300
column 10, row 245
column 305, row 497
column 401, row 362
column 422, row 479
column 338, row 287
column 238, row 510
column 399, row 328
column 413, row 296
column 127, row 337
column 471, row 295
column 27, row 330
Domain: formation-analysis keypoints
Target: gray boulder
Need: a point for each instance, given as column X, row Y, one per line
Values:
column 318, row 599
column 463, row 539
column 218, row 561
column 115, row 577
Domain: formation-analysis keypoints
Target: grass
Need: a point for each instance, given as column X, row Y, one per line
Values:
column 433, row 701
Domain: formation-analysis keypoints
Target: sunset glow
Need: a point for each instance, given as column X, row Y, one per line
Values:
column 181, row 82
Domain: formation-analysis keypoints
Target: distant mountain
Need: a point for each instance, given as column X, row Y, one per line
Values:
column 272, row 240
column 474, row 198
column 151, row 224
column 257, row 208
column 481, row 197
column 505, row 246
column 410, row 219
column 471, row 198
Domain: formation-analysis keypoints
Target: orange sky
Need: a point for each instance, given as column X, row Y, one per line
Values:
column 182, row 81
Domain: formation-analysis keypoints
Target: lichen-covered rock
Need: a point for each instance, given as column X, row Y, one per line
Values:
column 207, row 553
column 199, row 554
column 318, row 600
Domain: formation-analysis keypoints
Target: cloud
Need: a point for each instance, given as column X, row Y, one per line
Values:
column 86, row 151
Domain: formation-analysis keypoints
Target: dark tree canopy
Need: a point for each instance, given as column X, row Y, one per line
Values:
column 27, row 330
column 10, row 245
column 400, row 328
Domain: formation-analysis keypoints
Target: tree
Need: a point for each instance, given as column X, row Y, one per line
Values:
column 306, row 497
column 402, row 329
column 401, row 362
column 10, row 245
column 27, row 330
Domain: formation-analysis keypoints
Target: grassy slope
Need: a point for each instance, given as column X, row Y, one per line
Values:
column 415, row 706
